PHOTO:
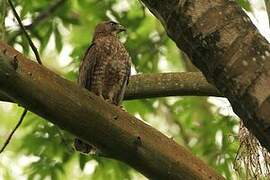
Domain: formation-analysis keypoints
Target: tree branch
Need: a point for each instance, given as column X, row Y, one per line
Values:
column 87, row 116
column 169, row 84
column 14, row 130
column 162, row 85
column 4, row 97
column 223, row 43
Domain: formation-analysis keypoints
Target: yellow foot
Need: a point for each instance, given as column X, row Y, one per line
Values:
column 109, row 101
column 101, row 97
column 122, row 108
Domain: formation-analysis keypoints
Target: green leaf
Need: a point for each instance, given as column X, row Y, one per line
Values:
column 58, row 39
column 25, row 44
column 45, row 39
column 83, row 159
column 245, row 4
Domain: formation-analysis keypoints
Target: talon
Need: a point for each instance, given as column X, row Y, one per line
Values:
column 82, row 146
column 108, row 101
column 101, row 97
column 122, row 108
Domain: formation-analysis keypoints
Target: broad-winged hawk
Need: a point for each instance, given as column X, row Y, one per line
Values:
column 105, row 68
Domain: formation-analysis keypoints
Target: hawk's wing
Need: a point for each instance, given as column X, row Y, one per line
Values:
column 125, row 82
column 87, row 66
column 86, row 71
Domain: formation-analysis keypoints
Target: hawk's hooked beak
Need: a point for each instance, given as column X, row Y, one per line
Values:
column 120, row 28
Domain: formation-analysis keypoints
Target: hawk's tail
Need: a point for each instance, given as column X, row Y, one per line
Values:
column 83, row 146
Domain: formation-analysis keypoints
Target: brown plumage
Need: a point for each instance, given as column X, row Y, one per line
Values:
column 105, row 68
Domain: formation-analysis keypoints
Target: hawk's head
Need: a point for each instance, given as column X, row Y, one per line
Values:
column 109, row 28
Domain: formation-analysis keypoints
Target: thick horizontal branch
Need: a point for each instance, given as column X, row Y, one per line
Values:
column 87, row 116
column 162, row 85
column 169, row 84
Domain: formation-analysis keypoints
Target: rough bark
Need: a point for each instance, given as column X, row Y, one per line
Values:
column 80, row 112
column 169, row 84
column 222, row 42
column 4, row 97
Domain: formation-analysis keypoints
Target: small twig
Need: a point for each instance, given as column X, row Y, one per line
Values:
column 14, row 130
column 2, row 20
column 33, row 47
column 39, row 61
column 43, row 15
column 267, row 6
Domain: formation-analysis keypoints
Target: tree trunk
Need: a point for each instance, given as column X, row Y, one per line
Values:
column 222, row 42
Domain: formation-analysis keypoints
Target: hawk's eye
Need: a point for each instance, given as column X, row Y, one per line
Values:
column 112, row 23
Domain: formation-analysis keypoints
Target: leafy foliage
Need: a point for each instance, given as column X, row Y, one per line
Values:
column 62, row 38
column 245, row 4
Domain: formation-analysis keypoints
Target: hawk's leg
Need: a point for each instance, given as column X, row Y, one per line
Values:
column 109, row 100
column 98, row 91
column 122, row 108
column 112, row 95
column 113, row 99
